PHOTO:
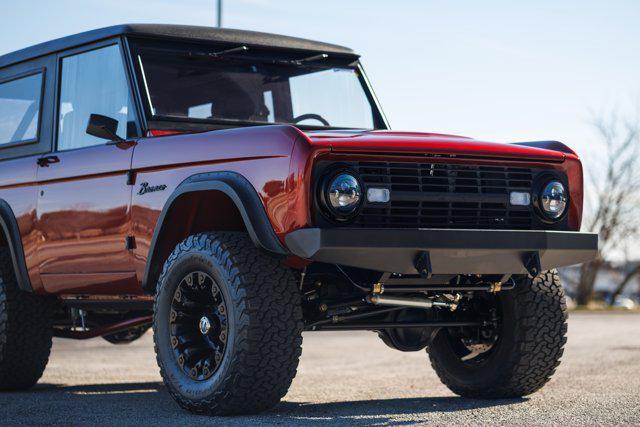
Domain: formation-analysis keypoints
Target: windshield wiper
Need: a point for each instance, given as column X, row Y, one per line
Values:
column 220, row 54
column 314, row 58
column 228, row 51
column 301, row 62
column 241, row 49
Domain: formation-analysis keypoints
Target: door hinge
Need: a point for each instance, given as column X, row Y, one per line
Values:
column 130, row 243
column 131, row 177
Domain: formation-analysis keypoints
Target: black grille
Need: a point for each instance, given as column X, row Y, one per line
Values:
column 440, row 195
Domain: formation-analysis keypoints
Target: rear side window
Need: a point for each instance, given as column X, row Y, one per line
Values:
column 20, row 109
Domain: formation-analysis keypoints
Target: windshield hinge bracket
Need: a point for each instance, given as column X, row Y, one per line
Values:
column 131, row 177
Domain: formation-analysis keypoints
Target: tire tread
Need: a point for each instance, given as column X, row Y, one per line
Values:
column 541, row 327
column 25, row 331
column 269, row 329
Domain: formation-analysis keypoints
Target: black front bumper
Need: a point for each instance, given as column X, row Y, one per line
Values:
column 449, row 251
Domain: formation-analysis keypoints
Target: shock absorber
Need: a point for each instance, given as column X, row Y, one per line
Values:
column 409, row 302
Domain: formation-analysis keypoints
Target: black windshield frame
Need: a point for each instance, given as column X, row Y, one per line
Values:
column 138, row 46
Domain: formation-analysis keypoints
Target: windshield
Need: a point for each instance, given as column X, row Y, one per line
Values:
column 186, row 86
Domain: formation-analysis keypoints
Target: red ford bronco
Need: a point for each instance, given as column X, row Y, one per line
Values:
column 233, row 189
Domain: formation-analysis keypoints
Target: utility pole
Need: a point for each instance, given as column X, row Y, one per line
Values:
column 219, row 13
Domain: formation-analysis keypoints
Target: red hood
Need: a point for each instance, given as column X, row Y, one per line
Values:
column 414, row 142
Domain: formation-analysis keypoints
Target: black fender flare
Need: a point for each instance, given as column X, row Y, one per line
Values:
column 11, row 231
column 243, row 195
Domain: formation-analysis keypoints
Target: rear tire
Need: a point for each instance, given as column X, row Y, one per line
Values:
column 25, row 331
column 528, row 349
column 256, row 359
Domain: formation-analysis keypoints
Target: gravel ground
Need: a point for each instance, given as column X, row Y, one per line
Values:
column 345, row 378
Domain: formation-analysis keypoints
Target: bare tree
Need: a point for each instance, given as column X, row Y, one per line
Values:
column 613, row 199
column 626, row 279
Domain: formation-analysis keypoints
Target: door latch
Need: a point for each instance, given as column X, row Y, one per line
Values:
column 47, row 160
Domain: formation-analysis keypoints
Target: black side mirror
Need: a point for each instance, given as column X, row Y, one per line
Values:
column 103, row 127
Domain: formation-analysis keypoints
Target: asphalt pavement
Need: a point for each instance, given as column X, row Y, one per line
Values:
column 344, row 378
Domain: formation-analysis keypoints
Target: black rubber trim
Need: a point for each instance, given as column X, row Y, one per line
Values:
column 450, row 251
column 14, row 242
column 246, row 200
column 547, row 145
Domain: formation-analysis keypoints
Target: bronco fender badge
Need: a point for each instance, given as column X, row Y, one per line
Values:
column 146, row 188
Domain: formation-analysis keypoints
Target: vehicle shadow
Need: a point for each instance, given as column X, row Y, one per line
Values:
column 381, row 411
column 148, row 403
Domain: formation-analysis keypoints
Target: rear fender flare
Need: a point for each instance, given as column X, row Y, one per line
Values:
column 11, row 232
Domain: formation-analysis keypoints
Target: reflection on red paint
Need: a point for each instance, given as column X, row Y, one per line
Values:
column 158, row 132
column 74, row 216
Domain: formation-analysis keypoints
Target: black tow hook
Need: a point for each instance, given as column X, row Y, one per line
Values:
column 422, row 263
column 531, row 262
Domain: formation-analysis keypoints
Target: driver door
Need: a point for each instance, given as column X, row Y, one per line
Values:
column 84, row 201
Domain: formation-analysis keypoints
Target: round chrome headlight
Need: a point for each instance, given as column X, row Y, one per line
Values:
column 553, row 199
column 343, row 194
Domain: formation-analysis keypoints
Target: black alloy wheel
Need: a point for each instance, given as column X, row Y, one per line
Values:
column 474, row 346
column 199, row 327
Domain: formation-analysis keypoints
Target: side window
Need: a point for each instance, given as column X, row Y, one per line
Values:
column 20, row 109
column 93, row 82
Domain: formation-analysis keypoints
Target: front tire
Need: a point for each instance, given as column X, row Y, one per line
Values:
column 25, row 331
column 227, row 325
column 528, row 347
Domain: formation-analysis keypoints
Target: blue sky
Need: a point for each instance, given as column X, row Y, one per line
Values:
column 495, row 70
